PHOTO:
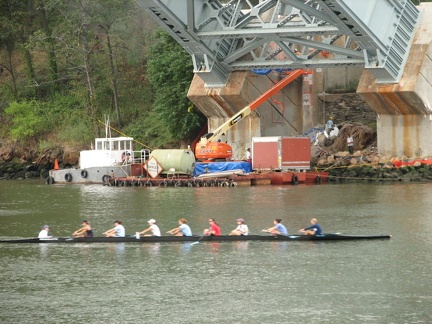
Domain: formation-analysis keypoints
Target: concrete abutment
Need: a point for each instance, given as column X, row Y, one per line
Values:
column 404, row 114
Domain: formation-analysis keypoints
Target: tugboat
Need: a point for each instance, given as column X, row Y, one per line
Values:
column 111, row 157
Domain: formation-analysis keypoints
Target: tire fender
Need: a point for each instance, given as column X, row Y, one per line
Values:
column 68, row 177
column 106, row 178
column 49, row 181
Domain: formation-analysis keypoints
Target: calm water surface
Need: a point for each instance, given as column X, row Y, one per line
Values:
column 386, row 281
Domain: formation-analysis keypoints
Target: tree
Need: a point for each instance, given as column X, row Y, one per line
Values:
column 170, row 72
column 26, row 121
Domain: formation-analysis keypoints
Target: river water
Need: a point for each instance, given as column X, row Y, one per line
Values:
column 384, row 281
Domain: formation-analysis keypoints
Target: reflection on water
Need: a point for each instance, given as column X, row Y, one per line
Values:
column 219, row 282
column 241, row 245
column 43, row 249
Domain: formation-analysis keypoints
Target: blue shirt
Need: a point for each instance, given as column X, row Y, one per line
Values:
column 185, row 230
column 282, row 229
column 316, row 227
column 330, row 124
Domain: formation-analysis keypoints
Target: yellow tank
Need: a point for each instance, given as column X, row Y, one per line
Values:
column 175, row 161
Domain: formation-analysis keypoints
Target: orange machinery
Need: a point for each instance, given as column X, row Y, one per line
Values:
column 209, row 149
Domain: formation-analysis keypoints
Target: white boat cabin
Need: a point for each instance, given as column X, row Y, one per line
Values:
column 110, row 152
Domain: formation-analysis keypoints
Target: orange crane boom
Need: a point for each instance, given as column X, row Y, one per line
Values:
column 209, row 149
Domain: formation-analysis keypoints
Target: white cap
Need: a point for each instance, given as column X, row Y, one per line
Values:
column 151, row 221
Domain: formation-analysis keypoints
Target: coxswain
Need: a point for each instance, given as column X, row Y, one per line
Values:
column 43, row 234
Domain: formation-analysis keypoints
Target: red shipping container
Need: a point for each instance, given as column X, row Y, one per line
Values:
column 281, row 153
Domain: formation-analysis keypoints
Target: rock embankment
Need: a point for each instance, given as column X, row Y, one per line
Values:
column 16, row 170
column 381, row 172
column 331, row 154
column 24, row 162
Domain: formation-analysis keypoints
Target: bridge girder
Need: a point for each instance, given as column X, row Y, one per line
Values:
column 236, row 35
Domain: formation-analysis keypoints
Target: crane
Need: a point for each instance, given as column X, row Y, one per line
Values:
column 209, row 149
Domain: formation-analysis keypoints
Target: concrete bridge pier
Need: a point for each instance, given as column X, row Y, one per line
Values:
column 288, row 113
column 404, row 122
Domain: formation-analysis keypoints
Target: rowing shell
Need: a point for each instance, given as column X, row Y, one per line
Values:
column 153, row 239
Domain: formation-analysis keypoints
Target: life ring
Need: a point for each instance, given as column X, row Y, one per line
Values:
column 84, row 173
column 49, row 181
column 294, row 179
column 106, row 178
column 318, row 180
column 68, row 177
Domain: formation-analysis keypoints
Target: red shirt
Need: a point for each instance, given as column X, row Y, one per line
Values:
column 216, row 229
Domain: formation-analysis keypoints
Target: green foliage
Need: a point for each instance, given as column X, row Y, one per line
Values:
column 45, row 145
column 26, row 119
column 152, row 73
column 76, row 130
column 170, row 72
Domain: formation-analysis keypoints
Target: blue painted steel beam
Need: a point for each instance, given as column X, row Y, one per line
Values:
column 236, row 35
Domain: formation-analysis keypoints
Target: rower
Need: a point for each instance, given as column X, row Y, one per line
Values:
column 214, row 229
column 117, row 231
column 155, row 231
column 85, row 230
column 277, row 229
column 182, row 230
column 313, row 229
column 241, row 229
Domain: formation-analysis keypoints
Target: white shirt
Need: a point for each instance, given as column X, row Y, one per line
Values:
column 43, row 234
column 155, row 230
column 243, row 229
column 120, row 231
column 248, row 155
column 350, row 141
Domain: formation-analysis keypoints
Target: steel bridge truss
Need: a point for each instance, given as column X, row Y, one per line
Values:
column 226, row 36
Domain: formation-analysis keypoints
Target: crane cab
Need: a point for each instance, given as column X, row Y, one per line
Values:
column 213, row 151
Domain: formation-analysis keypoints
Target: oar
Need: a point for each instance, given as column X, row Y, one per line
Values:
column 197, row 242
